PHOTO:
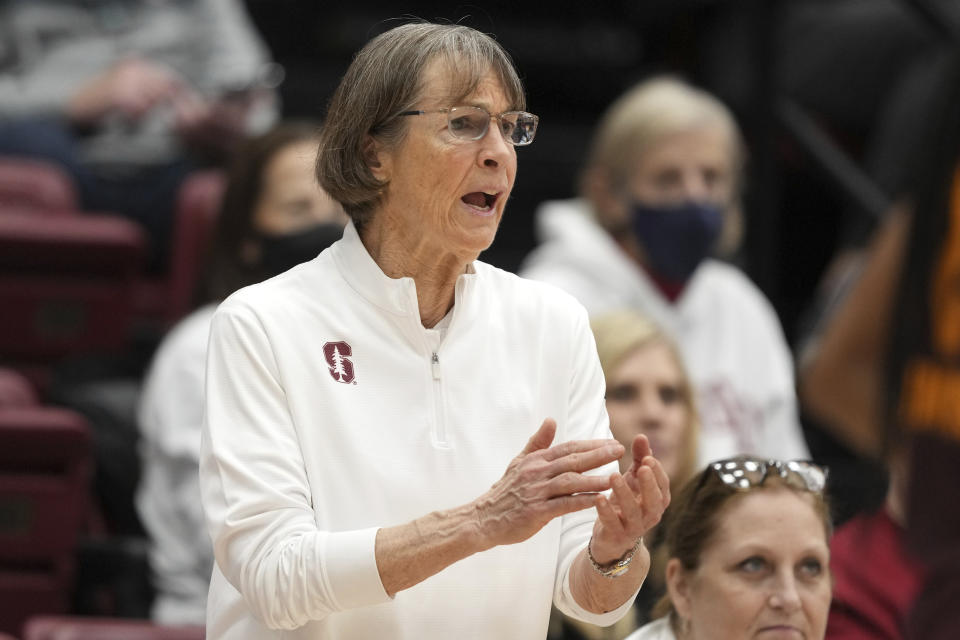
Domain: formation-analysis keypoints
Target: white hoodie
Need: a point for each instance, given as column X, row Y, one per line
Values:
column 727, row 331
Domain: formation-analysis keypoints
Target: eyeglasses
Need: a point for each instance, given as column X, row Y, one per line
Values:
column 471, row 123
column 742, row 474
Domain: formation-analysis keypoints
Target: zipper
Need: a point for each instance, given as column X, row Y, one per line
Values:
column 439, row 427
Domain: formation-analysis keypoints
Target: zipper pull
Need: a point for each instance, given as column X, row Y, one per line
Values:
column 435, row 366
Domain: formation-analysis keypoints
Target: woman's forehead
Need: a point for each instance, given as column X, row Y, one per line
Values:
column 763, row 515
column 711, row 145
column 446, row 82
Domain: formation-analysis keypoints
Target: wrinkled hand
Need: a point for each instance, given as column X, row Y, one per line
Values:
column 542, row 483
column 635, row 505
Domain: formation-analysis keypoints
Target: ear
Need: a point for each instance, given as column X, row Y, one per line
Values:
column 376, row 158
column 678, row 586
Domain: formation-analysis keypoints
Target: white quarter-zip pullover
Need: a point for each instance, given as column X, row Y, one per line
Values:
column 332, row 412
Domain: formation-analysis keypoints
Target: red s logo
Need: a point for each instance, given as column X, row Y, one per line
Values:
column 341, row 369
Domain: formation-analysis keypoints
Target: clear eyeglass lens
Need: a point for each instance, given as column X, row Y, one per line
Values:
column 523, row 126
column 508, row 125
column 470, row 123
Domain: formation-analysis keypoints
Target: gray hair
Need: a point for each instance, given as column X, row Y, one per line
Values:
column 386, row 78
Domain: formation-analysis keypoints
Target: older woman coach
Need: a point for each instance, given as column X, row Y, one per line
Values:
column 402, row 441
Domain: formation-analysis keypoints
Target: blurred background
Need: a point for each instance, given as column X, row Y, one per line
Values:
column 837, row 61
column 828, row 94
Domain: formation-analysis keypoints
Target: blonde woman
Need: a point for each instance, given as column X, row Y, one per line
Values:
column 648, row 392
column 660, row 201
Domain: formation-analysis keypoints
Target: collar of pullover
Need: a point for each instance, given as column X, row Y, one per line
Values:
column 394, row 295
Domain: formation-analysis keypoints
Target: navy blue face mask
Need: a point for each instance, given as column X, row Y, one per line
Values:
column 281, row 252
column 676, row 238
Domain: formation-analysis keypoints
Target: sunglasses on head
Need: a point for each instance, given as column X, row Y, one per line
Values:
column 742, row 474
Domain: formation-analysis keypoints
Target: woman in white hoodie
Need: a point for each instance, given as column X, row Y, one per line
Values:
column 661, row 197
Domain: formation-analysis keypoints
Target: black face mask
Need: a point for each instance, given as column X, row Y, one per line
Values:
column 677, row 238
column 281, row 252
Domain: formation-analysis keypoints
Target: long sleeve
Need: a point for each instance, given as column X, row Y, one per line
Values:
column 257, row 497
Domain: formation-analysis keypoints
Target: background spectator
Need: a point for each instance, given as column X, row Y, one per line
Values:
column 130, row 96
column 747, row 541
column 648, row 391
column 274, row 215
column 875, row 577
column 885, row 372
column 660, row 189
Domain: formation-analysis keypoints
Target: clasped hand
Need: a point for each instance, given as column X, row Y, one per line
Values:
column 544, row 482
column 635, row 505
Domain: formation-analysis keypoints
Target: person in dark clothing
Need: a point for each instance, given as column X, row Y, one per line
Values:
column 887, row 372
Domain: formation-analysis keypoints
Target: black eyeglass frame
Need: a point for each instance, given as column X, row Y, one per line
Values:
column 735, row 473
column 508, row 136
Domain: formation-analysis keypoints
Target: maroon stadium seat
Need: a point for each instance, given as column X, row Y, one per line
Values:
column 76, row 628
column 36, row 185
column 169, row 297
column 45, row 466
column 66, row 285
column 15, row 390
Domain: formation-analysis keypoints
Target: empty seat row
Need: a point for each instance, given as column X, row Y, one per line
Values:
column 45, row 466
column 72, row 282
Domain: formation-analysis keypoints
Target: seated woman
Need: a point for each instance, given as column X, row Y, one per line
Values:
column 747, row 541
column 660, row 199
column 274, row 215
column 875, row 577
column 648, row 391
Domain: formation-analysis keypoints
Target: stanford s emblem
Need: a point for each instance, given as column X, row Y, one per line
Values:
column 336, row 354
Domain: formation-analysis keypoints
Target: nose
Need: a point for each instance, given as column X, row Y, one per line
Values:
column 695, row 186
column 494, row 148
column 785, row 595
column 650, row 410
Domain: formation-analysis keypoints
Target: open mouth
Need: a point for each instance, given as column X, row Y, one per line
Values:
column 480, row 200
column 785, row 631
